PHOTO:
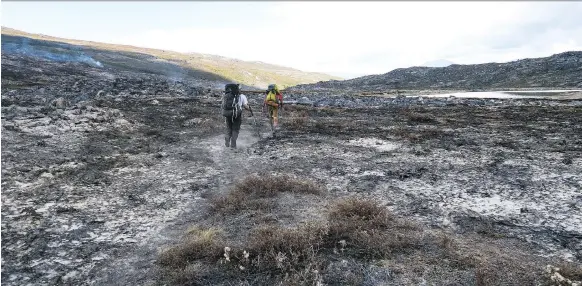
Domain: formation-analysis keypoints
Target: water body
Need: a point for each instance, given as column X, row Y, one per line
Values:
column 544, row 94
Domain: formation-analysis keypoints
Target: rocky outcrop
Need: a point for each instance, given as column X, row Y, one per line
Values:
column 562, row 70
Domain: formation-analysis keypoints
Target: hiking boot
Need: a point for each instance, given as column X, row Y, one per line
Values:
column 227, row 142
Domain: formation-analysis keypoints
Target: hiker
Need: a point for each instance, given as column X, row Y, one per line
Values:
column 274, row 100
column 232, row 103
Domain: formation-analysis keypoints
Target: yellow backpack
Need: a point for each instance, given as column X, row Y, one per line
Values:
column 272, row 99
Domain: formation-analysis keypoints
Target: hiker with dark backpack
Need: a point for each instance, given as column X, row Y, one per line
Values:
column 232, row 104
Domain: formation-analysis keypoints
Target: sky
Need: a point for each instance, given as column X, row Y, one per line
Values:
column 346, row 39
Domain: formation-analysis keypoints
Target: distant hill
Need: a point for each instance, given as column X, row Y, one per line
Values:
column 438, row 63
column 563, row 70
column 257, row 74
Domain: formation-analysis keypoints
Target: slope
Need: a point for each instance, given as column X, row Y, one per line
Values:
column 563, row 70
column 255, row 74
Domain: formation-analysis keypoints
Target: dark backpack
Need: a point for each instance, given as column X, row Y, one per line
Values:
column 230, row 107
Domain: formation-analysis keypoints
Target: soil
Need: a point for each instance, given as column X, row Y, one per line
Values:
column 93, row 190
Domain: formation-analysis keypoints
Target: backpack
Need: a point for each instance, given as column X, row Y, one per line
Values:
column 230, row 107
column 274, row 97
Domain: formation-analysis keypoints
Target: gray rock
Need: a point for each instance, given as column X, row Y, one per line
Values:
column 59, row 103
column 305, row 101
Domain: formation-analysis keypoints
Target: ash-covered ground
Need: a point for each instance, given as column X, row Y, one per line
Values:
column 102, row 170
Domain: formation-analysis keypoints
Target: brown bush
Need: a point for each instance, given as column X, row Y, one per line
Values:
column 297, row 120
column 498, row 270
column 198, row 244
column 297, row 108
column 406, row 134
column 256, row 192
column 286, row 250
column 271, row 185
column 321, row 125
column 570, row 271
column 357, row 230
column 416, row 116
column 421, row 118
column 272, row 255
column 365, row 229
column 192, row 274
column 362, row 215
column 330, row 111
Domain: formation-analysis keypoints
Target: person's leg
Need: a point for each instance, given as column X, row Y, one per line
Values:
column 271, row 116
column 228, row 121
column 275, row 117
column 235, row 129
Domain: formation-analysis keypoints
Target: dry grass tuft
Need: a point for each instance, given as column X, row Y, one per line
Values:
column 198, row 244
column 365, row 229
column 256, row 192
column 353, row 215
column 271, row 185
column 297, row 120
column 417, row 117
column 421, row 118
column 357, row 232
column 499, row 270
column 570, row 273
column 192, row 274
column 361, row 210
column 283, row 250
column 272, row 255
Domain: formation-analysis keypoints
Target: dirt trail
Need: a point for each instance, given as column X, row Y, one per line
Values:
column 231, row 164
column 136, row 267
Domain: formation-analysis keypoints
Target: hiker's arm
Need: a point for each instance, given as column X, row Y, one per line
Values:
column 246, row 105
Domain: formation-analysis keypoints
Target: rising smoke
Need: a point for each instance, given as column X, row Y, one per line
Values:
column 57, row 52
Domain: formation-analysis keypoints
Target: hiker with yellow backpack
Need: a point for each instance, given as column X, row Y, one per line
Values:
column 274, row 101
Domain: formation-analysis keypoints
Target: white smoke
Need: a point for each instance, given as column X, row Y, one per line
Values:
column 70, row 53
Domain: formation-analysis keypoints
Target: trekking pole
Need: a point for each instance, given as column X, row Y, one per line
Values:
column 256, row 127
column 280, row 117
column 281, row 112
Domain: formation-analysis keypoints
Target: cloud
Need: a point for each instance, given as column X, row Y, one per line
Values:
column 376, row 37
column 537, row 29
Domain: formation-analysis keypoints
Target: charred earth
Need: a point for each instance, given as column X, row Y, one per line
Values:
column 114, row 175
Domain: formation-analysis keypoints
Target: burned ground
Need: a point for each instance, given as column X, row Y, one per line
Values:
column 117, row 178
column 481, row 196
column 97, row 192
